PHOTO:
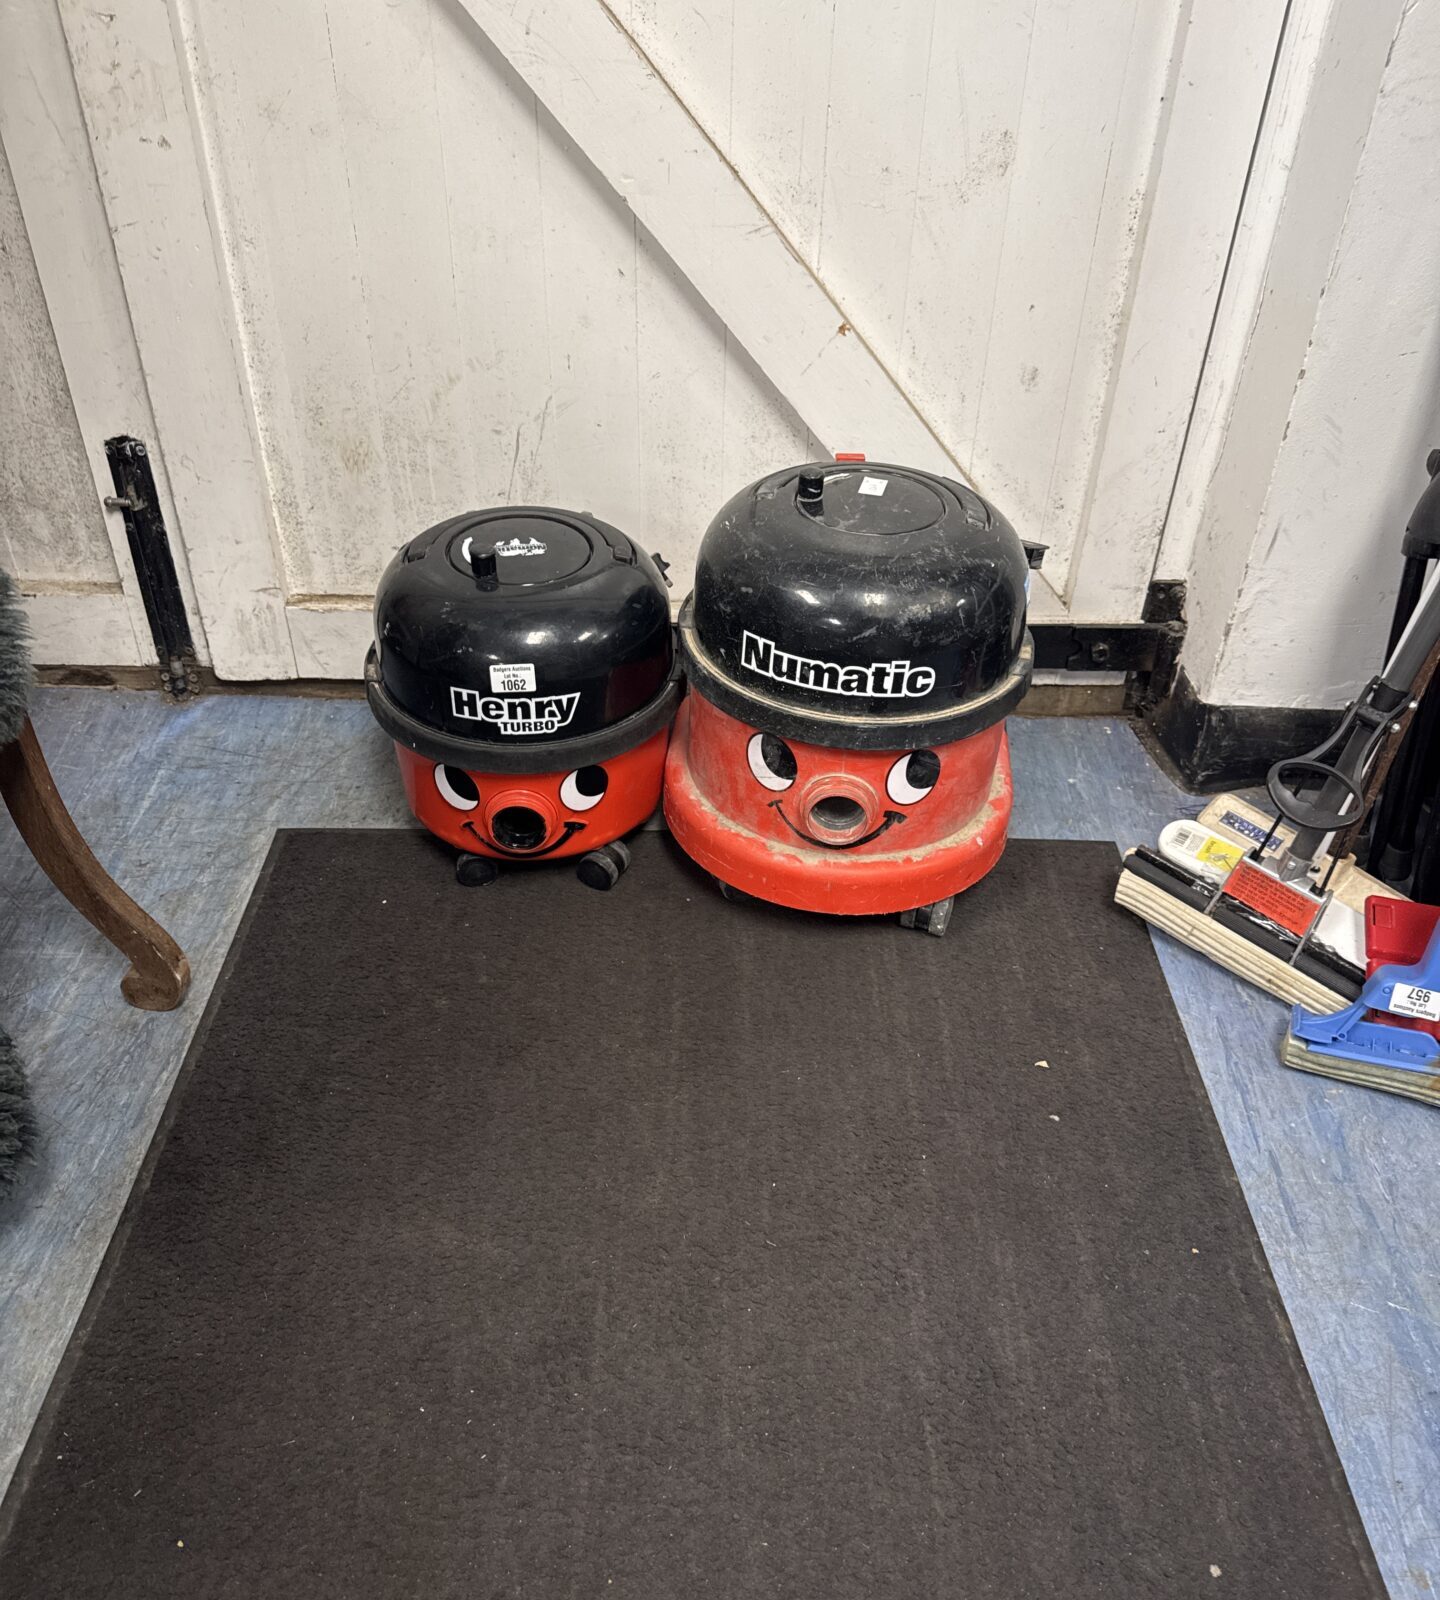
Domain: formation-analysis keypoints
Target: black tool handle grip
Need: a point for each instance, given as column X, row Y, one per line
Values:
column 1314, row 814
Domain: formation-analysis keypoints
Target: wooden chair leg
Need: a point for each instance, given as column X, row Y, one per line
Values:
column 159, row 974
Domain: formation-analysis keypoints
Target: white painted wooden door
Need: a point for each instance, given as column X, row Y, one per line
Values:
column 389, row 259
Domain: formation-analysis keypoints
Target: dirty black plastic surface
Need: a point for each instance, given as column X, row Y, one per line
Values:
column 526, row 606
column 887, row 600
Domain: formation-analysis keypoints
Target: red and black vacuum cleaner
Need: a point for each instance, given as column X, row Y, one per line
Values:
column 524, row 665
column 855, row 639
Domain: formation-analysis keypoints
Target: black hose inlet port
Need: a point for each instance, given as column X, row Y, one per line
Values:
column 518, row 828
column 836, row 813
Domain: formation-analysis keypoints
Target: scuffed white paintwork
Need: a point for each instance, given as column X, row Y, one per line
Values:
column 629, row 260
column 1306, row 450
column 96, row 618
column 1312, row 613
column 434, row 255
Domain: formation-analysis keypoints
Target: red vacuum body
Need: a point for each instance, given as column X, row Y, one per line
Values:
column 851, row 830
column 854, row 641
column 524, row 665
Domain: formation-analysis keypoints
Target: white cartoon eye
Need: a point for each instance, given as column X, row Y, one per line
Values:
column 912, row 777
column 585, row 787
column 771, row 760
column 457, row 788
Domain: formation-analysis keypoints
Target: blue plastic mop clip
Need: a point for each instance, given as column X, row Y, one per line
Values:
column 1402, row 990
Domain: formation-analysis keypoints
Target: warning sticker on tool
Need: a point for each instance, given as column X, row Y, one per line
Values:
column 1289, row 908
column 1410, row 1000
column 1219, row 852
column 872, row 486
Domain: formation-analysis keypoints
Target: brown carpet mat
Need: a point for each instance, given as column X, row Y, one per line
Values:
column 528, row 1241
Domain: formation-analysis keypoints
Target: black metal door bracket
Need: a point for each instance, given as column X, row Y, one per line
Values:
column 154, row 565
column 1146, row 650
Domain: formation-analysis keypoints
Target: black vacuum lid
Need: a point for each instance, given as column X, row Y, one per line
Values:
column 499, row 632
column 860, row 605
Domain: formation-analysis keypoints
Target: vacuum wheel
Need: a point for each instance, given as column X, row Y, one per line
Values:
column 603, row 868
column 932, row 919
column 730, row 892
column 476, row 871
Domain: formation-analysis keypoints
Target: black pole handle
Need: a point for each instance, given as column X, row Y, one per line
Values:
column 1303, row 813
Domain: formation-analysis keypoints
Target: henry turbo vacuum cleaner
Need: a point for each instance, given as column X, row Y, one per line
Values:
column 1260, row 895
column 524, row 666
column 854, row 641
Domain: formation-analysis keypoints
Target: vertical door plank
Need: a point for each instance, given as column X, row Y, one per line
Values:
column 50, row 524
column 1222, row 66
column 491, row 140
column 44, row 132
column 876, row 118
column 777, row 105
column 591, row 431
column 280, row 163
column 400, row 197
column 132, row 73
column 976, row 81
column 1095, row 82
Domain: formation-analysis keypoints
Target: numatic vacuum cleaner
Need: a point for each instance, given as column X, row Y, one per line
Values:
column 524, row 666
column 1266, row 901
column 854, row 641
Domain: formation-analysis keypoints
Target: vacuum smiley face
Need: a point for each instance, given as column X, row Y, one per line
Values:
column 844, row 804
column 519, row 816
column 524, row 816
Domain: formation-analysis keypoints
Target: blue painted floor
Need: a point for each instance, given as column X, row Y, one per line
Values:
column 180, row 803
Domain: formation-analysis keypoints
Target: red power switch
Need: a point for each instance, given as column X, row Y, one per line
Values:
column 849, row 455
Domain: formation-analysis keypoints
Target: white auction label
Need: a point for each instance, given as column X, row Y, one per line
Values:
column 1410, row 1000
column 872, row 486
column 518, row 677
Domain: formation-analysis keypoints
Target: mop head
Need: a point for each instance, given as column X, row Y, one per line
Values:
column 1388, row 1037
column 19, row 1131
column 14, row 661
column 1422, row 1086
column 1180, row 904
column 1176, row 889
